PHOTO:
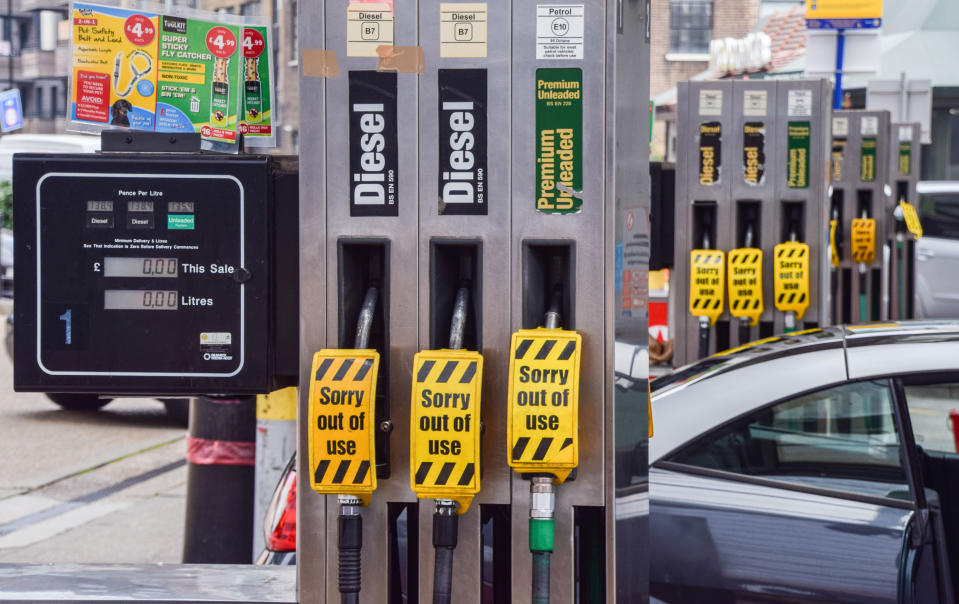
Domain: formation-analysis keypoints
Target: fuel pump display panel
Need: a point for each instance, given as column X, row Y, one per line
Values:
column 145, row 282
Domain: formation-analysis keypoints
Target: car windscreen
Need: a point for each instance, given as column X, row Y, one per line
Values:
column 939, row 214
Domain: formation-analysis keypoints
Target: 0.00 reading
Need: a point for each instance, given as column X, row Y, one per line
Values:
column 114, row 266
column 138, row 299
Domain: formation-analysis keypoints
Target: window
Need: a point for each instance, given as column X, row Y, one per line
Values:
column 929, row 407
column 843, row 438
column 250, row 9
column 939, row 214
column 690, row 26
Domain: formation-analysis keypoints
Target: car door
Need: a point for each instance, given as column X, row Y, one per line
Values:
column 802, row 500
column 930, row 406
column 937, row 256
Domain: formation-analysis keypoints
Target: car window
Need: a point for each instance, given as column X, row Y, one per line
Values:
column 939, row 214
column 842, row 438
column 929, row 412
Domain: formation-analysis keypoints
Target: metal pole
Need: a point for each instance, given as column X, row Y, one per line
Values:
column 903, row 98
column 840, row 47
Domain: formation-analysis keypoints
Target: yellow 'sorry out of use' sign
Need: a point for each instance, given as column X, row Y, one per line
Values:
column 342, row 421
column 445, row 425
column 543, row 401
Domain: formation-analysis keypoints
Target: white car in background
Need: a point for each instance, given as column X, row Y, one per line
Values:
column 937, row 253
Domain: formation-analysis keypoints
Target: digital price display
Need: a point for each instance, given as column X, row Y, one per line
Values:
column 179, row 207
column 140, row 206
column 139, row 267
column 135, row 299
column 129, row 263
column 99, row 206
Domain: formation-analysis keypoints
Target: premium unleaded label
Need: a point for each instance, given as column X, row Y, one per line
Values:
column 559, row 140
column 462, row 141
column 797, row 159
column 867, row 160
column 374, row 162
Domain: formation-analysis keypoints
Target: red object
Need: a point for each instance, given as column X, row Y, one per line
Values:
column 954, row 426
column 139, row 30
column 221, row 42
column 207, row 452
column 93, row 96
column 253, row 43
column 281, row 517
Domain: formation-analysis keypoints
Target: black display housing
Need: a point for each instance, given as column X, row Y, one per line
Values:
column 231, row 320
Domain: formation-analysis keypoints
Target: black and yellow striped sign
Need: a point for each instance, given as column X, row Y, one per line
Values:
column 745, row 280
column 791, row 277
column 912, row 219
column 863, row 239
column 544, row 401
column 445, row 425
column 707, row 272
column 342, row 417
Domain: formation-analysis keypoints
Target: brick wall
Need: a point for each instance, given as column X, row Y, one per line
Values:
column 731, row 19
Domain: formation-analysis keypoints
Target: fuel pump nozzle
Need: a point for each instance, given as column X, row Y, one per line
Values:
column 350, row 523
column 863, row 284
column 704, row 321
column 899, row 216
column 542, row 495
column 744, row 322
column 445, row 518
column 789, row 321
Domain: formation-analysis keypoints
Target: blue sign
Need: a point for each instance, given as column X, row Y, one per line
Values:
column 11, row 110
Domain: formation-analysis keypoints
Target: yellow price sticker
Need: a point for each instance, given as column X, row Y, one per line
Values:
column 791, row 277
column 912, row 219
column 863, row 240
column 543, row 419
column 746, row 283
column 445, row 425
column 707, row 271
column 342, row 418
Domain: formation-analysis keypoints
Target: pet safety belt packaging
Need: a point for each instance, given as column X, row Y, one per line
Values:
column 114, row 68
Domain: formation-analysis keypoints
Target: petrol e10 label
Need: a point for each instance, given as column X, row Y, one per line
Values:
column 341, row 415
column 445, row 425
column 544, row 401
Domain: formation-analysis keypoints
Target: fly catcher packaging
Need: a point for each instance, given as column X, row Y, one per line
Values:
column 258, row 117
column 114, row 68
column 199, row 84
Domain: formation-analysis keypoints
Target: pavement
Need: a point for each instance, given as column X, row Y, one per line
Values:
column 88, row 487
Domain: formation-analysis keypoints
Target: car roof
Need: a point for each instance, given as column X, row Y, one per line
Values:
column 699, row 397
column 938, row 186
column 842, row 336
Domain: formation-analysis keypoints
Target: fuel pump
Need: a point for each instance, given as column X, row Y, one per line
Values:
column 835, row 251
column 746, row 279
column 342, row 450
column 542, row 429
column 445, row 438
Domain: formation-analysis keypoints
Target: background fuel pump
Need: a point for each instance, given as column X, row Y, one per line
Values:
column 904, row 228
column 751, row 185
column 861, row 200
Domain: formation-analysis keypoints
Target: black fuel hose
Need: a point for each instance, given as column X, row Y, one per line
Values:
column 540, row 577
column 445, row 528
column 349, row 542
